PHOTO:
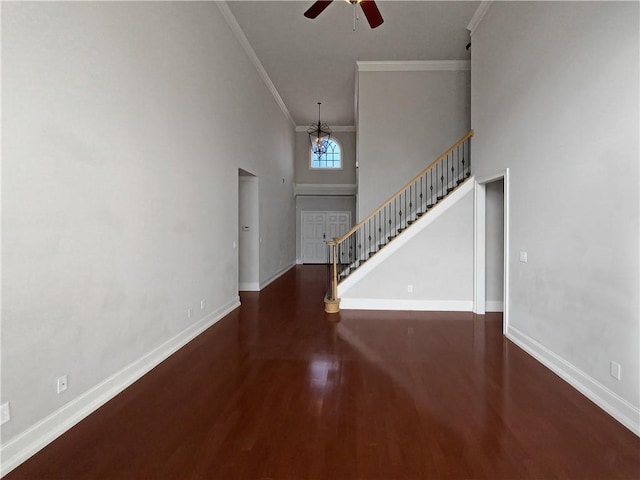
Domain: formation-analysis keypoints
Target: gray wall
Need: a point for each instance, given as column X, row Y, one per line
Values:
column 555, row 99
column 405, row 121
column 124, row 125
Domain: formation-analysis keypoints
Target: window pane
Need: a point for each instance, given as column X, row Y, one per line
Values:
column 331, row 159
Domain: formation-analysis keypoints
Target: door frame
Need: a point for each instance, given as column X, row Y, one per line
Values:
column 480, row 246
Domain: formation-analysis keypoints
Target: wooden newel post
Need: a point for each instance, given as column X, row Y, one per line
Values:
column 331, row 301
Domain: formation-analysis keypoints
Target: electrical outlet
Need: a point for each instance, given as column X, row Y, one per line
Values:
column 410, row 288
column 62, row 383
column 189, row 312
column 616, row 370
column 203, row 303
column 523, row 257
column 5, row 413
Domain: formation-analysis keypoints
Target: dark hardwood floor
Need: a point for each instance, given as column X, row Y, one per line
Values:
column 275, row 391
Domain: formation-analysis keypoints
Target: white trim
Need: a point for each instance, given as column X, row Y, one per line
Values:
column 479, row 248
column 276, row 276
column 334, row 128
column 505, row 292
column 36, row 437
column 242, row 39
column 249, row 286
column 478, row 15
column 415, row 66
column 402, row 304
column 449, row 201
column 492, row 178
column 609, row 401
column 346, row 195
column 355, row 103
column 494, row 306
column 324, row 189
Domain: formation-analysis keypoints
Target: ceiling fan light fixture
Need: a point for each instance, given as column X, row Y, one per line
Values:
column 369, row 9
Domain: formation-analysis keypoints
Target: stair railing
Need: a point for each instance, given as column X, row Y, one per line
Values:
column 395, row 215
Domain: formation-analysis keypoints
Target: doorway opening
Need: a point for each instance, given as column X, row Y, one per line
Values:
column 248, row 232
column 491, row 246
column 494, row 248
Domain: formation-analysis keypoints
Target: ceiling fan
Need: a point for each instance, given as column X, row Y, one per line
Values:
column 368, row 7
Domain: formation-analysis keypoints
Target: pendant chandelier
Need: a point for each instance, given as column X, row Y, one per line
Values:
column 319, row 135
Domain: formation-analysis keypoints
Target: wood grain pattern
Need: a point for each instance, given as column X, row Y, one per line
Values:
column 275, row 391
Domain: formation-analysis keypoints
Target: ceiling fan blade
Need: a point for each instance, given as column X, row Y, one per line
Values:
column 372, row 13
column 317, row 8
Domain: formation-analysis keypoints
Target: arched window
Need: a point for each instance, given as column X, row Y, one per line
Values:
column 332, row 159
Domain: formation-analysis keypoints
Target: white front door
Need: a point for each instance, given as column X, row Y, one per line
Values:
column 317, row 227
column 337, row 224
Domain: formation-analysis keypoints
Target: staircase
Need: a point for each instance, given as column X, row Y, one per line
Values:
column 397, row 214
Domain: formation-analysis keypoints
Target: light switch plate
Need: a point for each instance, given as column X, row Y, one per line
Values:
column 62, row 384
column 615, row 370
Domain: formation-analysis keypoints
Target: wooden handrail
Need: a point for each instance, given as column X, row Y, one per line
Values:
column 341, row 239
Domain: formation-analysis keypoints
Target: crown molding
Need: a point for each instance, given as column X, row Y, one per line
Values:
column 242, row 39
column 414, row 66
column 478, row 16
column 337, row 128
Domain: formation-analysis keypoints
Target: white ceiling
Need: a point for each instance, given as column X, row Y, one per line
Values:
column 312, row 61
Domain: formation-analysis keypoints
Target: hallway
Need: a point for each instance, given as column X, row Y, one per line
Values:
column 275, row 391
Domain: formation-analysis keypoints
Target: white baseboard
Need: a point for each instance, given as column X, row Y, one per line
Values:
column 24, row 445
column 249, row 286
column 397, row 304
column 616, row 406
column 494, row 306
column 276, row 276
